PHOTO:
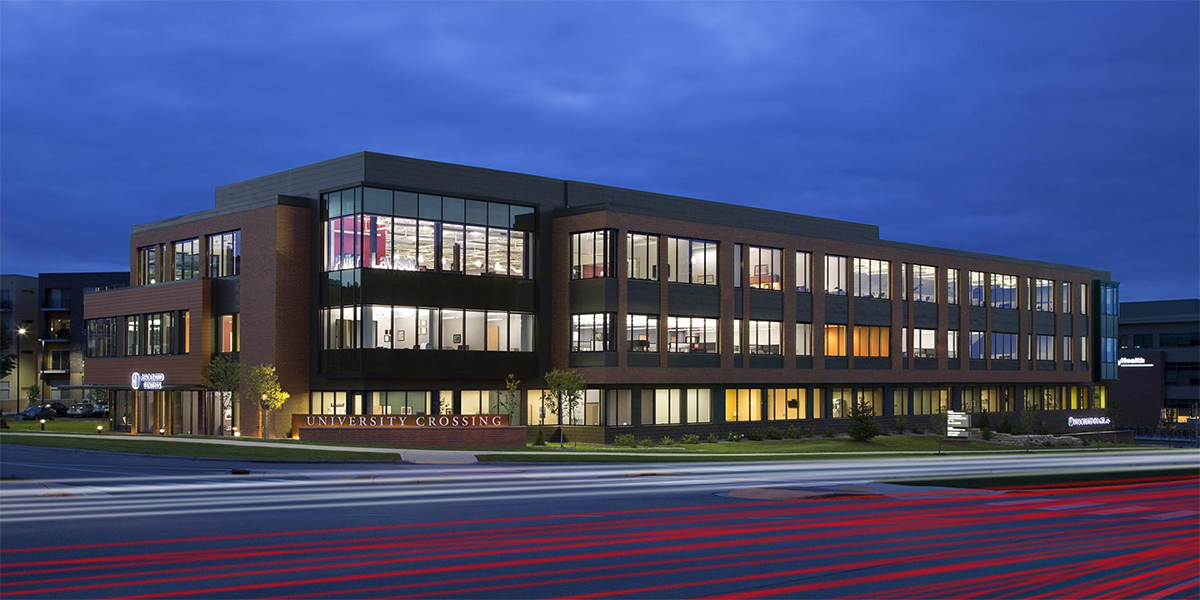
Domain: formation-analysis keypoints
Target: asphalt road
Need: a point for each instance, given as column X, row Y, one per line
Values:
column 104, row 525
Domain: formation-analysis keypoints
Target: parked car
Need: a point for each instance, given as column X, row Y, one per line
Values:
column 59, row 408
column 100, row 410
column 82, row 409
column 34, row 413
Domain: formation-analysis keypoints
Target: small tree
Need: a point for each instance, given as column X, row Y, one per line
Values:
column 937, row 423
column 263, row 383
column 1112, row 410
column 566, row 389
column 33, row 393
column 863, row 426
column 510, row 399
column 1029, row 416
column 223, row 376
column 8, row 360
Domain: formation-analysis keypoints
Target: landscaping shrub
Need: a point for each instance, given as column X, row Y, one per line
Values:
column 1004, row 426
column 985, row 433
column 733, row 437
column 773, row 433
column 1048, row 444
column 689, row 438
column 900, row 424
column 647, row 442
column 917, row 429
column 754, row 435
column 829, row 432
column 667, row 440
column 712, row 438
column 625, row 439
column 984, row 421
column 937, row 423
column 792, row 433
column 863, row 425
column 539, row 441
column 808, row 431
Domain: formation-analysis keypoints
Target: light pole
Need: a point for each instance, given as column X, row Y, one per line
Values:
column 20, row 334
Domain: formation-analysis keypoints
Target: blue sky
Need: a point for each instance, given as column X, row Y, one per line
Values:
column 1066, row 132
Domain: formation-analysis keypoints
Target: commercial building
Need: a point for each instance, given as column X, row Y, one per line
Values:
column 61, row 337
column 1159, row 362
column 19, row 311
column 384, row 285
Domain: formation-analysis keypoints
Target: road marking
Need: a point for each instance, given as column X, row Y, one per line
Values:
column 1171, row 515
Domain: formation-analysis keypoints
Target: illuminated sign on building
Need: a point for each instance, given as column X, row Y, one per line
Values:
column 1085, row 421
column 147, row 381
column 1133, row 361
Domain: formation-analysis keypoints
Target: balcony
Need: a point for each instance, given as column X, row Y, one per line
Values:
column 6, row 304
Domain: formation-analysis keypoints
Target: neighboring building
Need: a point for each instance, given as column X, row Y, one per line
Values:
column 1160, row 361
column 61, row 336
column 19, row 310
column 387, row 285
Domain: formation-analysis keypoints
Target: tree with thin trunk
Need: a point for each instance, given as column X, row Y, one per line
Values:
column 223, row 376
column 8, row 360
column 566, row 388
column 510, row 399
column 262, row 382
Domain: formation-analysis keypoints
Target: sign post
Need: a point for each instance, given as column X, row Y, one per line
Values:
column 957, row 424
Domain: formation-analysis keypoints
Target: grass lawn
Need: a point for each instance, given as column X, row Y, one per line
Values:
column 59, row 425
column 183, row 448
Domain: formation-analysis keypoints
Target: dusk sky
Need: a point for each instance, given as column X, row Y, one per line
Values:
column 1066, row 132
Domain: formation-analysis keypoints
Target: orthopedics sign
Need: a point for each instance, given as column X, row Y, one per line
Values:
column 147, row 381
column 1085, row 421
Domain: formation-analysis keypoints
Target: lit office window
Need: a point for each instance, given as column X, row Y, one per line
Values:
column 975, row 279
column 952, row 286
column 148, row 265
column 1004, row 346
column 803, row 271
column 835, row 275
column 787, row 404
column 225, row 254
column 1066, row 297
column 1044, row 295
column 804, row 339
column 1066, row 348
column 591, row 254
column 737, row 265
column 699, row 405
column 871, row 278
column 692, row 334
column 133, row 335
column 873, row 342
column 642, row 251
column 230, row 332
column 743, row 405
column 591, row 332
column 642, row 332
column 924, row 343
column 187, row 259
column 924, row 284
column 691, row 261
column 766, row 337
column 835, row 340
column 1083, row 298
column 737, row 336
column 952, row 343
column 1004, row 291
column 766, row 268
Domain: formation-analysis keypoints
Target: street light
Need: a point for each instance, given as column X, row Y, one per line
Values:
column 20, row 334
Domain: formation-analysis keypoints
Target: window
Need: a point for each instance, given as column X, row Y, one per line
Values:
column 977, row 344
column 591, row 254
column 148, row 265
column 1083, row 298
column 417, row 403
column 1066, row 297
column 642, row 332
column 691, row 261
column 591, row 332
column 1004, row 346
column 835, row 275
column 930, row 401
column 766, row 337
column 743, row 405
column 976, row 285
column 340, row 327
column 952, row 286
column 835, row 340
column 924, row 285
column 133, row 336
column 58, row 360
column 924, row 343
column 870, row 400
column 787, row 403
column 766, row 268
column 103, row 337
column 1044, row 295
column 1188, row 339
column 699, row 405
column 737, row 336
column 872, row 342
column 231, row 333
column 692, row 334
column 1066, row 348
column 642, row 250
column 620, row 407
column 737, row 265
column 1182, row 373
column 1083, row 348
column 804, row 339
column 187, row 259
column 225, row 254
column 904, row 281
column 952, row 344
column 803, row 271
column 841, row 399
column 1004, row 291
column 1109, row 304
column 419, row 328
column 1045, row 347
column 870, row 278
